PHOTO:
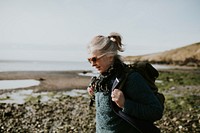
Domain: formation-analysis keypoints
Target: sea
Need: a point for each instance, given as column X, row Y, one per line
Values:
column 6, row 66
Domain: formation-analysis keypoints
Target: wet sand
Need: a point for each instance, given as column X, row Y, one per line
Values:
column 49, row 80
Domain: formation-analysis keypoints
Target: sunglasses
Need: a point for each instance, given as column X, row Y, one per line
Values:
column 94, row 59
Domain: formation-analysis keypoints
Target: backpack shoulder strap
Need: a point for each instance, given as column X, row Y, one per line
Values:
column 127, row 71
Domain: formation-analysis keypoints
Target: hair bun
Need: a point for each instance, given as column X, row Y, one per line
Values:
column 116, row 38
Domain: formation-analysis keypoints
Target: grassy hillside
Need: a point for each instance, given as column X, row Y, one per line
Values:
column 188, row 55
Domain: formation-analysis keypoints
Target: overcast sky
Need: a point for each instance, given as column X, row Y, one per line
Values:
column 147, row 26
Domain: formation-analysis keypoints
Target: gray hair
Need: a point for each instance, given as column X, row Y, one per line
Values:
column 110, row 44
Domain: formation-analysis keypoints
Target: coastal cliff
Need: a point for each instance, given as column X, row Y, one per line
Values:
column 188, row 55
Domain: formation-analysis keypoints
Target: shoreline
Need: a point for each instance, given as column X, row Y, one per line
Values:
column 49, row 80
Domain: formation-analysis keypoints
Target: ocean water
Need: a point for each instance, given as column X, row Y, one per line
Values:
column 43, row 66
column 21, row 57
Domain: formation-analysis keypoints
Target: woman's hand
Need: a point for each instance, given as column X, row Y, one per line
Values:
column 118, row 97
column 90, row 91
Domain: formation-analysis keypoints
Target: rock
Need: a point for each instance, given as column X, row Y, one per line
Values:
column 73, row 115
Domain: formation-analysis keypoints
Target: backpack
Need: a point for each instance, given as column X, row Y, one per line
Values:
column 150, row 74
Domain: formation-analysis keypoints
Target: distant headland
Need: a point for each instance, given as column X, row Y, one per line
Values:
column 185, row 56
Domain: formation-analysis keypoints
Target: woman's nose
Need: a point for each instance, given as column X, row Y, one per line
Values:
column 93, row 63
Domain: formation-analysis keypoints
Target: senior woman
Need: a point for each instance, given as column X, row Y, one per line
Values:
column 137, row 100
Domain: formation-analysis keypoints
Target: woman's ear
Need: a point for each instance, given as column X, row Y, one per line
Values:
column 111, row 58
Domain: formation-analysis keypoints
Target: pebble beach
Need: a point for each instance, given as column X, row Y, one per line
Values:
column 72, row 114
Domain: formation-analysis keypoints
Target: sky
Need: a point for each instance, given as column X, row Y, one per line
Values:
column 61, row 29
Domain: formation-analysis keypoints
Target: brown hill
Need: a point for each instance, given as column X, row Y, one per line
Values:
column 188, row 55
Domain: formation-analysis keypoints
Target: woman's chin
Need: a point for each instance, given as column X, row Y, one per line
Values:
column 100, row 71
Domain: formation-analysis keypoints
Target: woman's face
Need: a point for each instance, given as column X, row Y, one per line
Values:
column 101, row 61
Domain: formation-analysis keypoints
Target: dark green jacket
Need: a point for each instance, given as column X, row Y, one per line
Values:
column 140, row 102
